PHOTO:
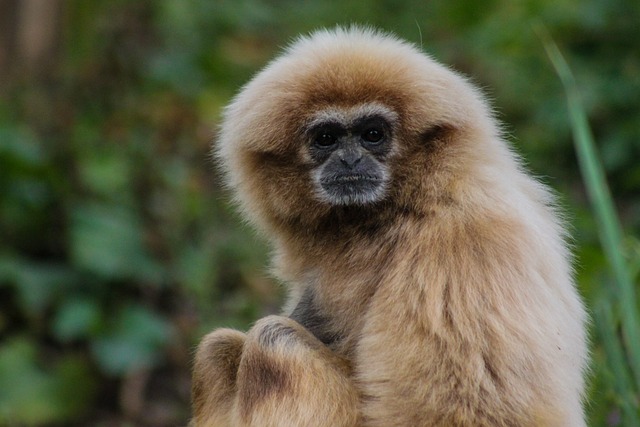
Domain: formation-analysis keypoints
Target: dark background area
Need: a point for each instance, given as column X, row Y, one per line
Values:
column 119, row 248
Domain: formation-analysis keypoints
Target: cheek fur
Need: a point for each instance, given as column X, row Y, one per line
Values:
column 316, row 180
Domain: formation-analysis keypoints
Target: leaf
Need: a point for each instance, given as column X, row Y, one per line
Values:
column 19, row 146
column 107, row 240
column 32, row 395
column 36, row 284
column 134, row 341
column 196, row 270
column 76, row 318
column 106, row 172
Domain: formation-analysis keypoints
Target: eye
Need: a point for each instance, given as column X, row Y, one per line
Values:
column 325, row 140
column 373, row 135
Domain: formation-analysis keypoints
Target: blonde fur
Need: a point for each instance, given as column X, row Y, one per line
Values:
column 450, row 302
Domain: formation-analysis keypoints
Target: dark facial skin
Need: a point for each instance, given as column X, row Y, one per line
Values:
column 350, row 159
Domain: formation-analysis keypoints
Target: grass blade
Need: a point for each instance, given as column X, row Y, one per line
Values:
column 613, row 350
column 609, row 228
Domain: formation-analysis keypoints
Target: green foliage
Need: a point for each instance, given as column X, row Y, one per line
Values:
column 106, row 240
column 118, row 248
column 624, row 352
column 32, row 395
column 131, row 340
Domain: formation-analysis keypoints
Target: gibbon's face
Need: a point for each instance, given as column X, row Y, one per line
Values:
column 350, row 118
column 348, row 149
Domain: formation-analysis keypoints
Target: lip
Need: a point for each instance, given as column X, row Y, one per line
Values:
column 351, row 178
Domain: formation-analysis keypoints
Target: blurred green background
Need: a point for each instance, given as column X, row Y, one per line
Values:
column 118, row 246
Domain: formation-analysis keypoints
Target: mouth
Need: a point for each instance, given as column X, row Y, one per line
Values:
column 352, row 189
column 351, row 178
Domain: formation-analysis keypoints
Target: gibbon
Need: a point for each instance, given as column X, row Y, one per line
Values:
column 430, row 281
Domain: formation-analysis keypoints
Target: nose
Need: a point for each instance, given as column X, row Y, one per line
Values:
column 350, row 158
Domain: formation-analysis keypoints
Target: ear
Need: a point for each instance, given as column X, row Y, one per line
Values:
column 437, row 133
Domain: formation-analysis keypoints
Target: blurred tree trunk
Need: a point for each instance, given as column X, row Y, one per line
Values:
column 30, row 34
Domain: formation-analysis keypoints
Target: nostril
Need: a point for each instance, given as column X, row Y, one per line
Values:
column 350, row 160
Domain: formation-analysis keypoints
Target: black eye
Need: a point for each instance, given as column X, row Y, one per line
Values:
column 325, row 140
column 373, row 135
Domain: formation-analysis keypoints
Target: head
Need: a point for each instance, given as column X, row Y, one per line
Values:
column 350, row 118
